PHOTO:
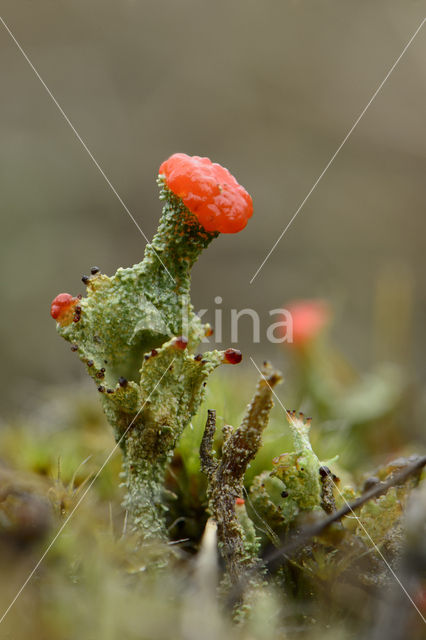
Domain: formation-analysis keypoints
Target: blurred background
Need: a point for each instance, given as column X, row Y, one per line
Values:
column 268, row 89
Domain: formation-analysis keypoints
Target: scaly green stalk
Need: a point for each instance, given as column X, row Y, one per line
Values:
column 296, row 483
column 136, row 332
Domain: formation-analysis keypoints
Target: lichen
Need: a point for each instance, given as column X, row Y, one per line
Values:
column 237, row 539
column 136, row 332
column 294, row 484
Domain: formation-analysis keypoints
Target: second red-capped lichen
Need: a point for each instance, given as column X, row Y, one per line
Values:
column 209, row 191
column 309, row 318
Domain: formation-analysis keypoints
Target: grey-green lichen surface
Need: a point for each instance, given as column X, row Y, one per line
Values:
column 293, row 486
column 136, row 332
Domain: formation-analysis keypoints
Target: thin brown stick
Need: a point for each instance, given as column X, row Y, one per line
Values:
column 226, row 474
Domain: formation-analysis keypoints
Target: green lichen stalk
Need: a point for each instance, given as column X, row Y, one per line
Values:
column 297, row 483
column 136, row 332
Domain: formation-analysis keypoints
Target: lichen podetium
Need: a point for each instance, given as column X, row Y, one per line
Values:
column 136, row 332
column 294, row 485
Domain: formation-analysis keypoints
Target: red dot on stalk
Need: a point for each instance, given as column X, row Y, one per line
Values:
column 181, row 343
column 240, row 501
column 209, row 191
column 60, row 306
column 232, row 356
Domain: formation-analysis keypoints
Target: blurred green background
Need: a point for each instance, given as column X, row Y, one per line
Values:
column 269, row 89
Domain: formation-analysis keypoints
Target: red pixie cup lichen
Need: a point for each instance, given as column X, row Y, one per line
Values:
column 209, row 191
column 137, row 333
column 62, row 308
column 309, row 317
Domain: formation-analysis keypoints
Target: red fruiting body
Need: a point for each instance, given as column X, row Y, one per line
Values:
column 181, row 343
column 61, row 306
column 420, row 598
column 309, row 317
column 209, row 191
column 232, row 356
column 240, row 501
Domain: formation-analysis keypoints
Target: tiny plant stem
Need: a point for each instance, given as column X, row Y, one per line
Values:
column 237, row 540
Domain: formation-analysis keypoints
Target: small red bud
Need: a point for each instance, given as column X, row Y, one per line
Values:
column 240, row 501
column 61, row 307
column 181, row 343
column 232, row 356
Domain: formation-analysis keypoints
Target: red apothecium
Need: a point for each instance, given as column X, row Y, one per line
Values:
column 209, row 191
